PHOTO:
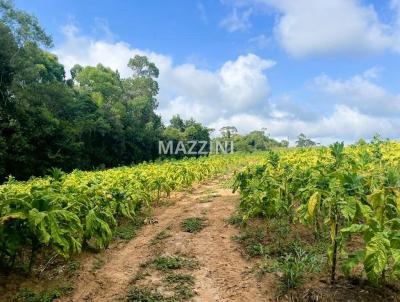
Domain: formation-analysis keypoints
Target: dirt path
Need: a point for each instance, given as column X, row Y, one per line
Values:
column 223, row 274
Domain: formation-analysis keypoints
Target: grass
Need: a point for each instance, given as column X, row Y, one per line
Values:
column 127, row 230
column 97, row 264
column 235, row 219
column 28, row 295
column 140, row 276
column 296, row 264
column 193, row 224
column 165, row 263
column 175, row 286
column 73, row 266
column 292, row 261
column 164, row 234
column 252, row 240
column 181, row 284
column 178, row 279
column 146, row 294
column 283, row 253
column 209, row 196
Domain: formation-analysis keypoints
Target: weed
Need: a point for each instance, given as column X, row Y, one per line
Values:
column 127, row 230
column 179, row 279
column 293, row 265
column 165, row 263
column 97, row 264
column 73, row 266
column 253, row 242
column 28, row 295
column 194, row 224
column 209, row 197
column 140, row 276
column 181, row 284
column 235, row 219
column 164, row 234
column 146, row 295
column 184, row 292
column 292, row 272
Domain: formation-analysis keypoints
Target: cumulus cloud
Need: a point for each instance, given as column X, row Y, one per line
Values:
column 362, row 93
column 315, row 27
column 238, row 94
column 238, row 85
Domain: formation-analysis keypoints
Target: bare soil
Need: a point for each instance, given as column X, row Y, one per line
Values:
column 223, row 274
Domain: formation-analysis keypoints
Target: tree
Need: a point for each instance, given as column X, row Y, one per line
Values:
column 303, row 141
column 24, row 27
column 284, row 143
column 96, row 119
column 228, row 131
column 177, row 123
column 7, row 50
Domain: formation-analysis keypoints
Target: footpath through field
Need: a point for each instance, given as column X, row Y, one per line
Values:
column 222, row 273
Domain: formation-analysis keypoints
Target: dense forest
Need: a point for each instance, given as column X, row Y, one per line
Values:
column 93, row 119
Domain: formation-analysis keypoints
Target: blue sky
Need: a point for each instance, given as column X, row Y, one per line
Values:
column 329, row 69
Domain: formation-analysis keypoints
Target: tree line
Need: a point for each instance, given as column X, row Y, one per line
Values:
column 95, row 119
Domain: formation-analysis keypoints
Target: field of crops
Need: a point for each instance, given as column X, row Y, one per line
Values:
column 347, row 198
column 340, row 193
column 66, row 212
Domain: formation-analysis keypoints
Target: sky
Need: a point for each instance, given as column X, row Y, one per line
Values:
column 328, row 69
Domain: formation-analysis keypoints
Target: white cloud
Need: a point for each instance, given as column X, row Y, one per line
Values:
column 343, row 124
column 361, row 93
column 237, row 20
column 238, row 94
column 206, row 95
column 315, row 27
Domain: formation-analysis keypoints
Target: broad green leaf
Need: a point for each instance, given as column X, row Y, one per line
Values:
column 396, row 263
column 354, row 228
column 376, row 256
column 312, row 203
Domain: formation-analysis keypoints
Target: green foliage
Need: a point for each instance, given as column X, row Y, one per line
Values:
column 235, row 219
column 303, row 141
column 125, row 232
column 253, row 240
column 65, row 212
column 181, row 284
column 25, row 27
column 28, row 295
column 295, row 264
column 94, row 120
column 164, row 234
column 184, row 132
column 193, row 224
column 338, row 192
column 165, row 263
column 253, row 141
column 137, row 294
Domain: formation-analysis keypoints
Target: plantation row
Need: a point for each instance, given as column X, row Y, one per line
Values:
column 340, row 193
column 65, row 212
